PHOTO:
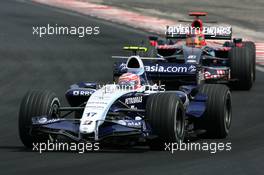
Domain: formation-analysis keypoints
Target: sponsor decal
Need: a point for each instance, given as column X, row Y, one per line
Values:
column 130, row 123
column 91, row 114
column 206, row 30
column 191, row 61
column 43, row 120
column 133, row 100
column 123, row 67
column 97, row 102
column 133, row 123
column 192, row 68
column 221, row 30
column 95, row 107
column 160, row 68
column 192, row 57
column 82, row 93
column 87, row 122
column 102, row 97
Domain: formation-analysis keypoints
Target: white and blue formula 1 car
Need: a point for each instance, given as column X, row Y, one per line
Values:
column 130, row 111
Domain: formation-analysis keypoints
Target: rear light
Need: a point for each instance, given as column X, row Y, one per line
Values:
column 238, row 44
column 153, row 43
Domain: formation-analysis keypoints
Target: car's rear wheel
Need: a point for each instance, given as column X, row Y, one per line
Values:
column 36, row 103
column 166, row 117
column 242, row 68
column 252, row 47
column 217, row 117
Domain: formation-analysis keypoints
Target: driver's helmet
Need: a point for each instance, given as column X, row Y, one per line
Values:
column 195, row 40
column 130, row 80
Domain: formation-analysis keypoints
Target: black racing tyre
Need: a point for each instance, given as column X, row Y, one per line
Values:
column 217, row 117
column 151, row 50
column 241, row 68
column 251, row 45
column 36, row 103
column 166, row 116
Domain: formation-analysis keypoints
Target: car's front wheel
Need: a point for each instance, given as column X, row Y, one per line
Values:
column 166, row 116
column 218, row 114
column 36, row 103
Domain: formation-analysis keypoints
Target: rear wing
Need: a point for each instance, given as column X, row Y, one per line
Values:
column 212, row 32
column 135, row 49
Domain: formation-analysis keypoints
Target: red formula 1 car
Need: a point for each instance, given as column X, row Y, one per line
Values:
column 217, row 56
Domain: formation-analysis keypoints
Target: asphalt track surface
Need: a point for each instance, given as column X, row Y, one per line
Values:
column 58, row 61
